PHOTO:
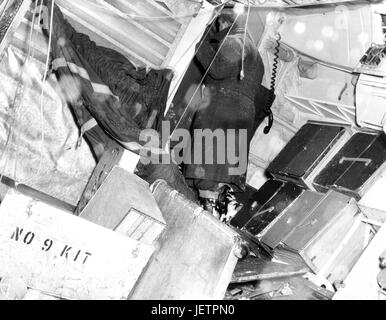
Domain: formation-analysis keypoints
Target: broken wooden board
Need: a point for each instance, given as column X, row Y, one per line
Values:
column 196, row 255
column 63, row 255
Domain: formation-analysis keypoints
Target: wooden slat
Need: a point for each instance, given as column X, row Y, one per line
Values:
column 141, row 230
column 145, row 230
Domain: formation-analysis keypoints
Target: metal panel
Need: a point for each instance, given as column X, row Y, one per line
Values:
column 196, row 255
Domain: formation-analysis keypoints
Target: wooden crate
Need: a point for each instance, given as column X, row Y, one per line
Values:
column 125, row 204
column 331, row 236
column 266, row 206
column 308, row 152
column 62, row 255
column 291, row 218
column 356, row 167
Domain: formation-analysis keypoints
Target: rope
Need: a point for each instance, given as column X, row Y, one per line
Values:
column 245, row 37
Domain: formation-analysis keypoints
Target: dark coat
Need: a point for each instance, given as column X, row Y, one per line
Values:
column 231, row 99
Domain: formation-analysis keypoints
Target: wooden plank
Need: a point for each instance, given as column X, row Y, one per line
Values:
column 64, row 255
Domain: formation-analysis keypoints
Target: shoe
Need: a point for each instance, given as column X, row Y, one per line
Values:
column 227, row 205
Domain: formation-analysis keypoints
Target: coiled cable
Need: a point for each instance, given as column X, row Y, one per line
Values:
column 271, row 95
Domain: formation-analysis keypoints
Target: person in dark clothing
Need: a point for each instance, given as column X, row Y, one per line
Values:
column 234, row 74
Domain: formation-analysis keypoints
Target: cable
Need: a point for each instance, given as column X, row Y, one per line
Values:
column 271, row 94
column 245, row 36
